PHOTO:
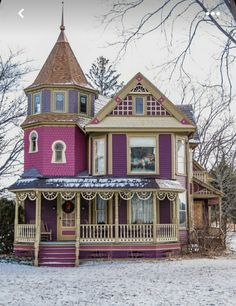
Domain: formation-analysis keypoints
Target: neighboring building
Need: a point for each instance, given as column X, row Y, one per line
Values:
column 104, row 178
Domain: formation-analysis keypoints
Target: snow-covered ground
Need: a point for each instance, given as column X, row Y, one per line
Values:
column 167, row 282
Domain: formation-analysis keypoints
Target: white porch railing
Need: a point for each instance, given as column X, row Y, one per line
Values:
column 25, row 232
column 136, row 232
column 166, row 232
column 97, row 233
column 201, row 175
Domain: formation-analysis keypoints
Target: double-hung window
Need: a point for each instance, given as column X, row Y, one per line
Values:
column 36, row 103
column 180, row 144
column 182, row 209
column 99, row 156
column 142, row 154
column 59, row 102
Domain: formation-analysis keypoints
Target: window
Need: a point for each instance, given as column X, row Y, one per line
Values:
column 36, row 103
column 59, row 102
column 139, row 109
column 142, row 154
column 83, row 104
column 99, row 156
column 58, row 152
column 101, row 210
column 180, row 156
column 33, row 142
column 141, row 210
column 182, row 209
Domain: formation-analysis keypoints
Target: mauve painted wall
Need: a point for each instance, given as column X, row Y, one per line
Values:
column 76, row 151
column 123, row 211
column 119, row 158
column 92, row 105
column 165, row 212
column 182, row 180
column 84, row 212
column 165, row 157
column 73, row 101
column 46, row 101
column 29, row 211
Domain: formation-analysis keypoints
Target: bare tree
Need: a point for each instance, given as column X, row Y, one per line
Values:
column 12, row 111
column 215, row 18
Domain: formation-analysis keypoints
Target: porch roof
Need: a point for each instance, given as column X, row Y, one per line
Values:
column 82, row 183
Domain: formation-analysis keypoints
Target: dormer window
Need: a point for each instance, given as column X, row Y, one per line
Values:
column 59, row 152
column 83, row 100
column 139, row 106
column 36, row 103
column 59, row 102
column 33, row 142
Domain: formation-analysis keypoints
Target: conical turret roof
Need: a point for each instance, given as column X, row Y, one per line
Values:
column 61, row 66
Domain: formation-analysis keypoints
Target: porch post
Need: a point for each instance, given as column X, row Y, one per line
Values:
column 38, row 227
column 177, row 217
column 116, row 217
column 154, row 217
column 77, row 229
column 16, row 219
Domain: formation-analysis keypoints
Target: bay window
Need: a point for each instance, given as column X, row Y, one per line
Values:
column 101, row 210
column 99, row 156
column 141, row 210
column 180, row 148
column 142, row 154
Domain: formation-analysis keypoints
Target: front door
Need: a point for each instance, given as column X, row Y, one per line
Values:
column 66, row 219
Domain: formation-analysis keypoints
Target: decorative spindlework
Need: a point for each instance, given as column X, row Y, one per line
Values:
column 126, row 195
column 21, row 196
column 161, row 195
column 139, row 88
column 171, row 196
column 67, row 195
column 50, row 195
column 144, row 195
column 88, row 195
column 32, row 195
column 124, row 108
column 106, row 195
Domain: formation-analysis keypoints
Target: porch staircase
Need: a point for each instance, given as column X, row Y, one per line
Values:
column 57, row 254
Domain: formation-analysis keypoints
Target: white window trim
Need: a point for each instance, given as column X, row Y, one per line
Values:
column 105, row 158
column 129, row 155
column 32, row 104
column 176, row 156
column 31, row 144
column 53, row 161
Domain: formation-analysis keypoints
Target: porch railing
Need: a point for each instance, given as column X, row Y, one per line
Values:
column 201, row 175
column 167, row 232
column 136, row 232
column 25, row 232
column 97, row 232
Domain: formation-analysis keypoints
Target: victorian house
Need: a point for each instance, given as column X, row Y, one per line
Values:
column 105, row 178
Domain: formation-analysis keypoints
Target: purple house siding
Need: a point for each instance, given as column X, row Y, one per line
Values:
column 123, row 211
column 29, row 211
column 165, row 212
column 46, row 101
column 73, row 101
column 49, row 216
column 84, row 211
column 182, row 180
column 92, row 105
column 119, row 158
column 165, row 158
column 29, row 110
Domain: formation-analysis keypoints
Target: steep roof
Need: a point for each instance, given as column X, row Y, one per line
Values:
column 61, row 66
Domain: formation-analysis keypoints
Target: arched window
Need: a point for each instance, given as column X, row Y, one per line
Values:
column 58, row 152
column 33, row 142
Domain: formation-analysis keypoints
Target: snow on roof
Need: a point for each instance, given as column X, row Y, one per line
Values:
column 100, row 102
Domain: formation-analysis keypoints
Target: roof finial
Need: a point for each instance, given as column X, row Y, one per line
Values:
column 62, row 27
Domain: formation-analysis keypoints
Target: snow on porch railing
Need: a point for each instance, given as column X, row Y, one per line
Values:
column 136, row 232
column 97, row 232
column 25, row 232
column 166, row 232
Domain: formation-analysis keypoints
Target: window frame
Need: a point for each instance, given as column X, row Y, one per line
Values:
column 30, row 142
column 40, row 102
column 87, row 103
column 105, row 210
column 105, row 153
column 183, row 210
column 53, row 160
column 144, row 105
column 157, row 168
column 53, row 101
column 178, row 138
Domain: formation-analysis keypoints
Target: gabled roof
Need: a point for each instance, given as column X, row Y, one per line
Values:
column 179, row 116
column 61, row 66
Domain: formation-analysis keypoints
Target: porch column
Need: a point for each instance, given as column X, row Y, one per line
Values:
column 77, row 229
column 38, row 227
column 116, row 217
column 177, row 216
column 16, row 219
column 154, row 217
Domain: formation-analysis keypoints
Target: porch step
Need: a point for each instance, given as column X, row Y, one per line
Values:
column 57, row 255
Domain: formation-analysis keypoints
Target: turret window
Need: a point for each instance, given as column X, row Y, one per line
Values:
column 36, row 103
column 59, row 102
column 59, row 152
column 33, row 142
column 83, row 104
